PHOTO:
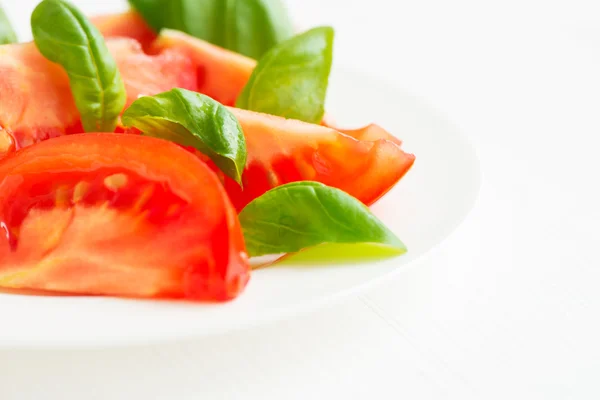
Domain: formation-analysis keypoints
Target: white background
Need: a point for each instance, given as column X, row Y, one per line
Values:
column 507, row 308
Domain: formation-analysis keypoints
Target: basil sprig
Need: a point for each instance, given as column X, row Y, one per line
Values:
column 249, row 27
column 192, row 119
column 65, row 36
column 7, row 33
column 291, row 79
column 299, row 215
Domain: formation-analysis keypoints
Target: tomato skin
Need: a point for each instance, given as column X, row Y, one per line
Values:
column 104, row 242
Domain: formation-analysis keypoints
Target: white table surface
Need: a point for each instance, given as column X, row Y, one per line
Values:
column 509, row 306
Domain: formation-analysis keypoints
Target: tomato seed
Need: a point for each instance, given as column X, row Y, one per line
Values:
column 80, row 190
column 115, row 182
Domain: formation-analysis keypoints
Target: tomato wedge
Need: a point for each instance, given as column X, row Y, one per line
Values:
column 129, row 24
column 222, row 74
column 26, row 118
column 36, row 98
column 366, row 163
column 119, row 215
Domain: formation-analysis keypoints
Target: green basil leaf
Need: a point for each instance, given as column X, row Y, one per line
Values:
column 340, row 253
column 7, row 34
column 249, row 27
column 154, row 12
column 65, row 36
column 299, row 215
column 192, row 119
column 255, row 26
column 291, row 79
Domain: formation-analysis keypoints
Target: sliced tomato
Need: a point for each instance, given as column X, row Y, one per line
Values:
column 146, row 75
column 36, row 99
column 120, row 215
column 222, row 74
column 35, row 96
column 366, row 163
column 129, row 24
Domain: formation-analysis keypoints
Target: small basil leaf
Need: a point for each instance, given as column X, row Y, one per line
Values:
column 203, row 19
column 65, row 36
column 153, row 11
column 249, row 27
column 255, row 26
column 299, row 215
column 192, row 119
column 339, row 253
column 291, row 79
column 7, row 34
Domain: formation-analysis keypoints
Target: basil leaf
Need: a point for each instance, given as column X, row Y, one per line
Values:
column 298, row 215
column 249, row 27
column 154, row 12
column 340, row 253
column 7, row 34
column 192, row 119
column 291, row 79
column 255, row 26
column 65, row 36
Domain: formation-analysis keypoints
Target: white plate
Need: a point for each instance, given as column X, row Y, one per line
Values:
column 423, row 209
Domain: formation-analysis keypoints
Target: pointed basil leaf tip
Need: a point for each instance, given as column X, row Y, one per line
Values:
column 249, row 27
column 195, row 120
column 65, row 36
column 7, row 34
column 299, row 215
column 291, row 79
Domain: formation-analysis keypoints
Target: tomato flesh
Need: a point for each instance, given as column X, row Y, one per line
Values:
column 24, row 117
column 146, row 75
column 37, row 103
column 281, row 151
column 121, row 215
column 222, row 74
column 129, row 24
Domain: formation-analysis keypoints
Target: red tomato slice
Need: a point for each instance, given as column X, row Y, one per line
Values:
column 129, row 24
column 222, row 74
column 146, row 75
column 365, row 163
column 120, row 215
column 36, row 98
